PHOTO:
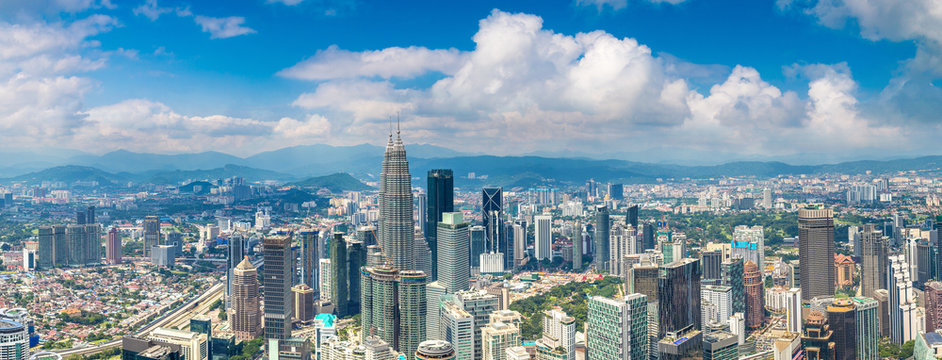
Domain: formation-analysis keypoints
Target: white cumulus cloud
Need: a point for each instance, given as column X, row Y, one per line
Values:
column 223, row 28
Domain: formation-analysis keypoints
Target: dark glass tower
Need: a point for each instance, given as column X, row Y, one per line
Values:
column 632, row 216
column 816, row 252
column 309, row 259
column 356, row 258
column 678, row 290
column 491, row 208
column 602, row 234
column 338, row 275
column 441, row 199
column 276, row 286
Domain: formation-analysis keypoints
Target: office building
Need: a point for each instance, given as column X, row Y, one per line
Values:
column 559, row 335
column 720, row 345
column 14, row 340
column 933, row 302
column 874, row 252
column 477, row 245
column 543, row 237
column 868, row 328
column 755, row 295
column 491, row 210
column 133, row 347
column 602, row 241
column 441, row 199
column 324, row 279
column 686, row 343
column 339, row 291
column 712, row 262
column 454, row 248
column 843, row 321
column 749, row 244
column 576, row 246
column 816, row 251
column 719, row 299
column 394, row 306
column 617, row 329
column 303, row 302
column 276, row 286
column 163, row 255
column 309, row 257
column 679, row 296
column 480, row 305
column 793, row 310
column 496, row 338
column 397, row 230
column 817, row 337
column 151, row 233
column 113, row 247
column 631, row 217
column 520, row 242
column 377, row 349
column 435, row 350
column 434, row 292
column 648, row 235
column 421, row 207
column 193, row 346
column 245, row 314
column 733, row 276
column 236, row 251
column 457, row 327
column 901, row 303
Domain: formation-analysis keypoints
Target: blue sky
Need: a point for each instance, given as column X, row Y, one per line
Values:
column 634, row 78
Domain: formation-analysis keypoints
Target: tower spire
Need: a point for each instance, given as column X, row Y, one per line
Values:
column 397, row 124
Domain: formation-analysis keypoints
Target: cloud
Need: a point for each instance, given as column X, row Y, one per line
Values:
column 286, row 2
column 619, row 4
column 31, row 8
column 335, row 63
column 223, row 28
column 525, row 88
column 313, row 126
column 151, row 10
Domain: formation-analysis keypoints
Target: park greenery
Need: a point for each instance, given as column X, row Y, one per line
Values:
column 83, row 318
column 571, row 297
column 249, row 349
column 890, row 350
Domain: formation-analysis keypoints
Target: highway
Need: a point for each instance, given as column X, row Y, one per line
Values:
column 176, row 317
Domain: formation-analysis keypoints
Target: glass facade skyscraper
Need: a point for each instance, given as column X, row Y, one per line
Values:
column 441, row 199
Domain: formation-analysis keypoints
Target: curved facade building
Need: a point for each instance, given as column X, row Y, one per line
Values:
column 435, row 350
column 755, row 297
column 245, row 315
column 397, row 229
column 14, row 340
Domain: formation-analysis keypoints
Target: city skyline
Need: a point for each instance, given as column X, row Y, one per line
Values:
column 635, row 72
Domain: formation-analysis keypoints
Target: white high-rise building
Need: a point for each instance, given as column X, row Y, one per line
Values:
column 737, row 326
column 793, row 310
column 520, row 242
column 323, row 268
column 543, row 236
column 902, row 305
column 767, row 198
column 559, row 330
column 623, row 241
column 457, row 327
column 721, row 298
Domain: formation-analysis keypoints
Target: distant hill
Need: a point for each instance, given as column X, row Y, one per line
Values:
column 178, row 176
column 70, row 174
column 335, row 183
column 132, row 162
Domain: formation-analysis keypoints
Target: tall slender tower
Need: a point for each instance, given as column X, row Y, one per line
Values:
column 236, row 253
column 816, row 252
column 278, row 270
column 245, row 314
column 113, row 247
column 577, row 246
column 309, row 258
column 602, row 234
column 874, row 254
column 397, row 231
column 454, row 247
column 441, row 199
column 340, row 295
column 755, row 307
column 151, row 234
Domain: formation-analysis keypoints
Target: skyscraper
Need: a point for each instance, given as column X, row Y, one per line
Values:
column 602, row 234
column 749, row 244
column 491, row 210
column 457, row 327
column 901, row 305
column 454, row 242
column 933, row 298
column 309, row 257
column 733, row 274
column 632, row 216
column 577, row 246
column 712, row 262
column 477, row 245
column 441, row 199
column 113, row 247
column 842, row 318
column 412, row 310
column 543, row 237
column 276, row 283
column 236, row 253
column 817, row 338
column 755, row 296
column 873, row 257
column 356, row 259
column 397, row 230
column 303, row 302
column 868, row 328
column 339, row 292
column 816, row 252
column 151, row 234
column 617, row 328
column 679, row 296
column 421, row 207
column 245, row 314
column 520, row 241
column 793, row 310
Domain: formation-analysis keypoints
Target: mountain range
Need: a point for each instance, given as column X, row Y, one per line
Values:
column 363, row 162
